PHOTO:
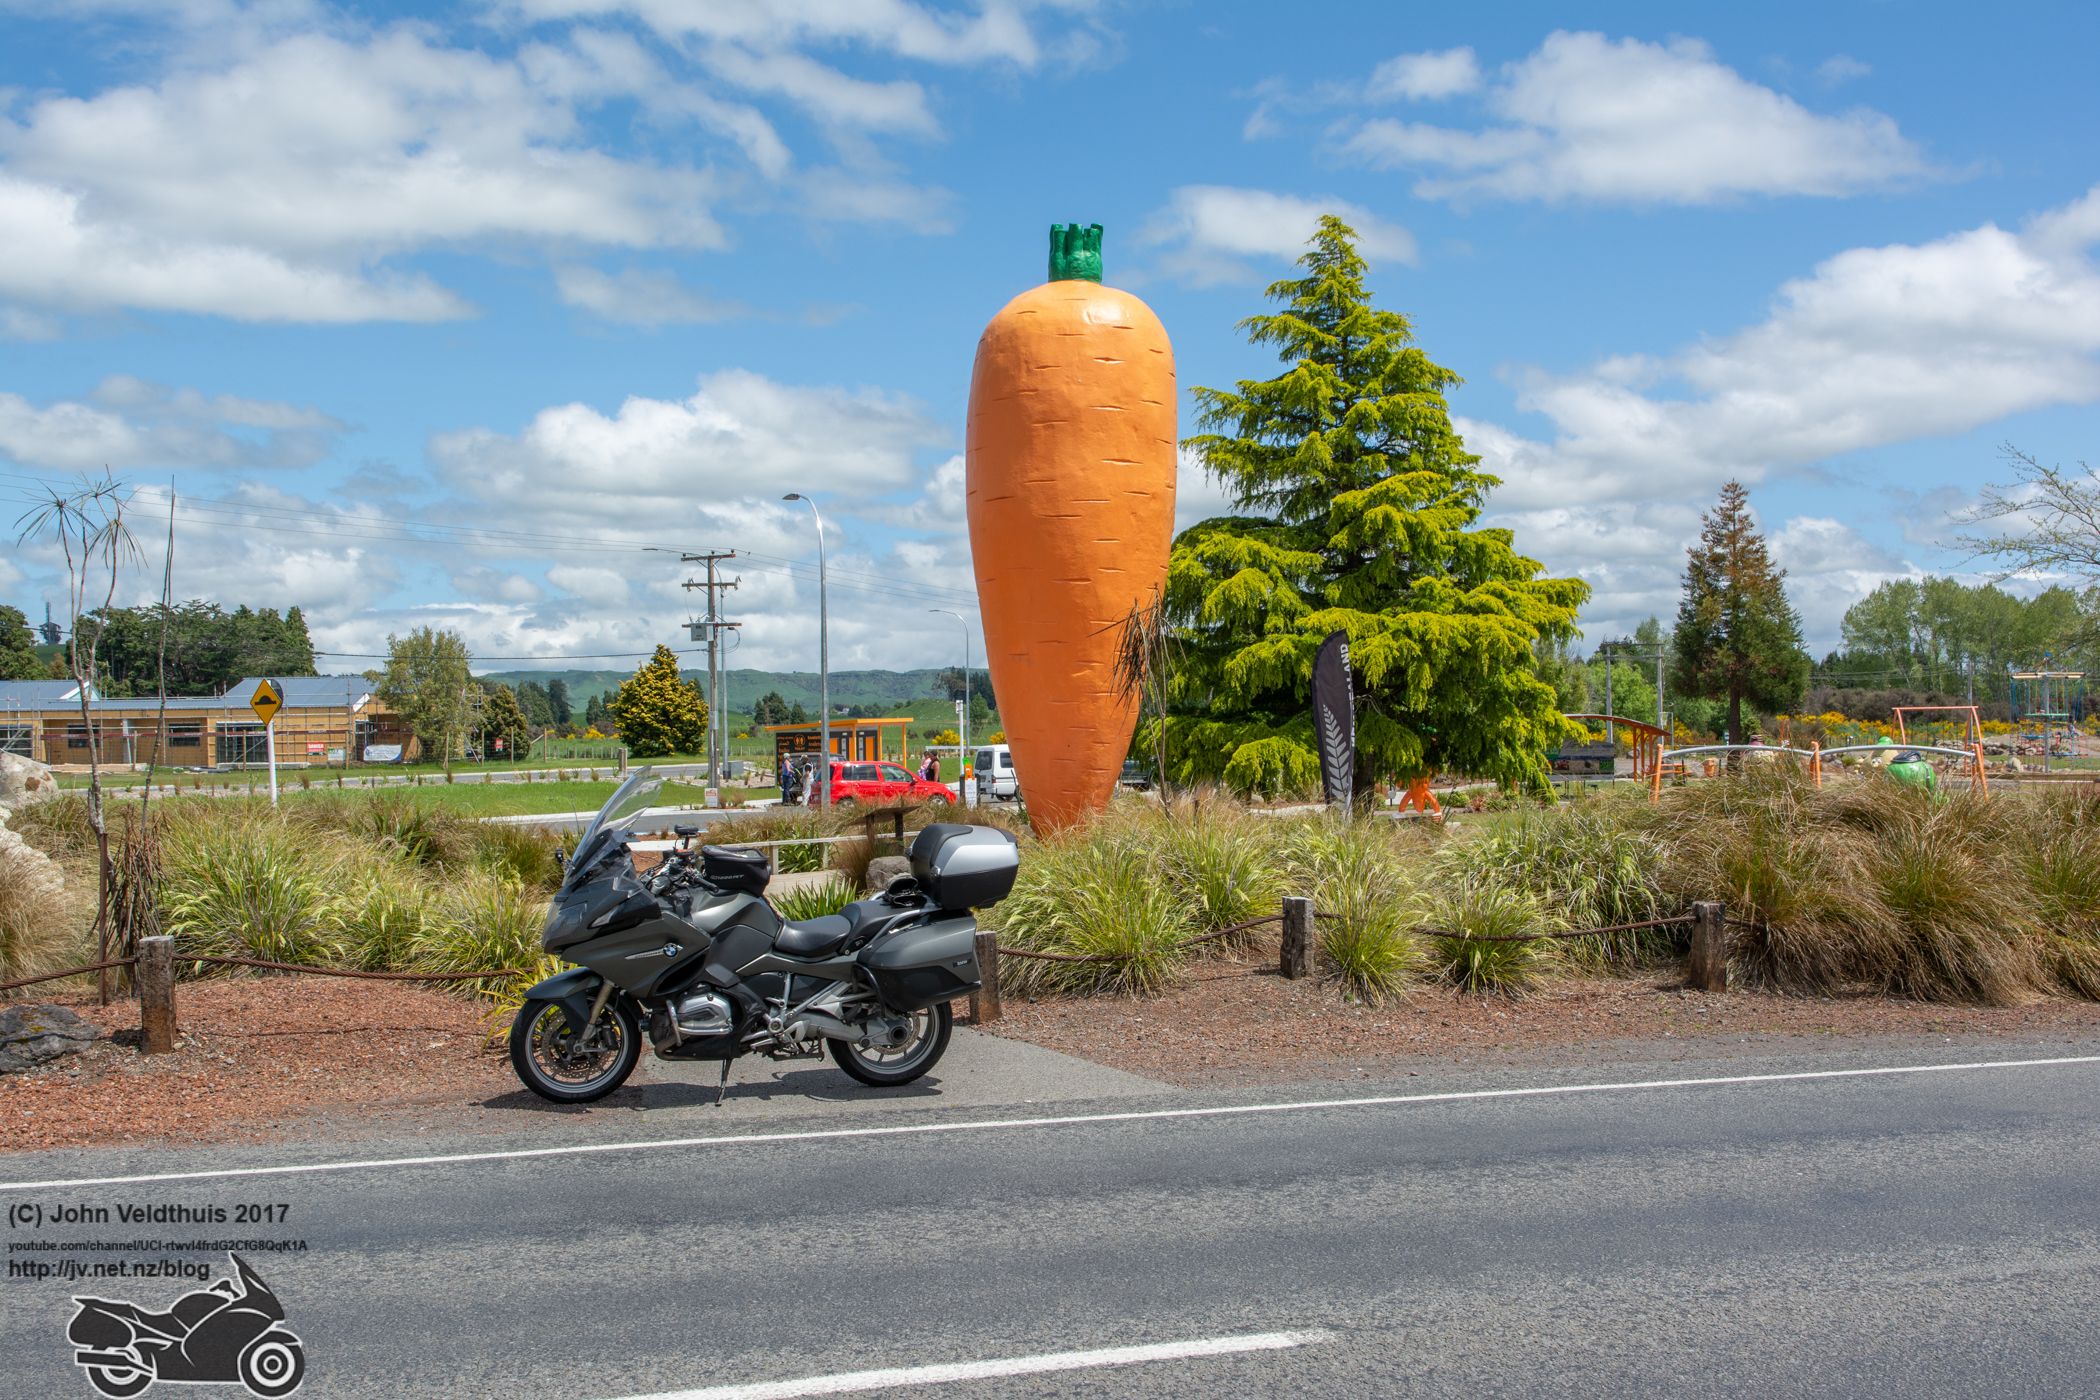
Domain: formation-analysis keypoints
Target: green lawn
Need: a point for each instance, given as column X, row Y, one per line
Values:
column 478, row 799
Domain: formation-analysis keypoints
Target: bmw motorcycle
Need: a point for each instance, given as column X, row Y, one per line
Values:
column 692, row 956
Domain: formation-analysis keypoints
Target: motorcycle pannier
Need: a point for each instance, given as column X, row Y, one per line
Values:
column 735, row 872
column 965, row 867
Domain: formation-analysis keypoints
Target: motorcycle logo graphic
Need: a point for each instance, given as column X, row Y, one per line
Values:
column 227, row 1332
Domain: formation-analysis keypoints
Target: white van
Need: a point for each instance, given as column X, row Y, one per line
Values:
column 994, row 766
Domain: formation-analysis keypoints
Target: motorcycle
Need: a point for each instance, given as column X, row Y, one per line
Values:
column 695, row 955
column 226, row 1332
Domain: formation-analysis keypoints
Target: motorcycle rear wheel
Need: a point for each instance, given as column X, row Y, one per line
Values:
column 901, row 1065
column 541, row 1053
column 111, row 1381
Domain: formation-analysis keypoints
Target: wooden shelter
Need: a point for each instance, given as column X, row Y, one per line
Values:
column 852, row 740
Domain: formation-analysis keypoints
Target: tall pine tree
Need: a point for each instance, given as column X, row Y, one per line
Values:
column 1737, row 639
column 1360, row 502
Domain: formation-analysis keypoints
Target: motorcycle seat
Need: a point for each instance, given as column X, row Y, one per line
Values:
column 814, row 938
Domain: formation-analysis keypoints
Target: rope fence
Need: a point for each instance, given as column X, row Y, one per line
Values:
column 275, row 967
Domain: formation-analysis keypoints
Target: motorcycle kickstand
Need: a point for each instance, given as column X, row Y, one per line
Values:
column 722, row 1091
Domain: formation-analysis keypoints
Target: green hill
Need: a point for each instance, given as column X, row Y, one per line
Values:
column 892, row 692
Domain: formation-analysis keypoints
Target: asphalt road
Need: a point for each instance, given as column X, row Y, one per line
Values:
column 1926, row 1234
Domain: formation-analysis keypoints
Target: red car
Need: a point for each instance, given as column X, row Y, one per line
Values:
column 877, row 784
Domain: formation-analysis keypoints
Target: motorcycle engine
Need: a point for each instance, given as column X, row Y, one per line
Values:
column 705, row 1013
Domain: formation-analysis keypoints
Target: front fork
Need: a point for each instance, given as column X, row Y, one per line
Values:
column 590, row 1024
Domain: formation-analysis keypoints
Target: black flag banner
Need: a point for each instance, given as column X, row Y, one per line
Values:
column 1334, row 718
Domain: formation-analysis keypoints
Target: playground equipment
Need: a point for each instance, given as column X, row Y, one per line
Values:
column 1917, row 771
column 2045, row 702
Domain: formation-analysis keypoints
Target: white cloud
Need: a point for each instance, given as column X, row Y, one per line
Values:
column 1840, row 68
column 741, row 436
column 17, row 324
column 997, row 32
column 62, row 259
column 1424, row 76
column 1877, row 346
column 1198, row 496
column 605, row 588
column 1206, row 232
column 1584, row 118
column 130, row 423
column 268, row 188
column 639, row 297
column 287, row 153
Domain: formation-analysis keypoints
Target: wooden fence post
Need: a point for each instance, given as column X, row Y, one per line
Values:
column 1709, row 969
column 156, row 974
column 984, row 1002
column 1297, row 957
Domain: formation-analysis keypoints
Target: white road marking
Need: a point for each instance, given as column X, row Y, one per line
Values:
column 987, row 1370
column 985, row 1125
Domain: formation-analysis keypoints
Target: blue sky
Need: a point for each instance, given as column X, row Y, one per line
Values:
column 444, row 314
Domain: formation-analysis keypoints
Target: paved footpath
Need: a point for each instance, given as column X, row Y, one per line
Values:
column 1785, row 1231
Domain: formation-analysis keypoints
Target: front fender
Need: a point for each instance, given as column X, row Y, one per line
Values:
column 572, row 992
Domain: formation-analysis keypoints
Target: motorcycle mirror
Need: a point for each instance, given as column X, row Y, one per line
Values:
column 561, row 858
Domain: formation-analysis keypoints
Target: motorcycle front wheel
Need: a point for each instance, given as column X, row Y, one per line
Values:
column 900, row 1064
column 273, row 1365
column 551, row 1063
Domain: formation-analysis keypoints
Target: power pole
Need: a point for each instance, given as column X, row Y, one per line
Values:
column 714, row 626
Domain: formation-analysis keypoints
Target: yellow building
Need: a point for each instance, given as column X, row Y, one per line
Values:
column 325, row 719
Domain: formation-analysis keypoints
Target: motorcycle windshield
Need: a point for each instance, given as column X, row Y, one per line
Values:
column 629, row 800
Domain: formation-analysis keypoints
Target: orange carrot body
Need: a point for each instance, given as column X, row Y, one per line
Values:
column 1070, row 469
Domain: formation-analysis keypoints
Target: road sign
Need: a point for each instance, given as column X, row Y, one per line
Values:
column 266, row 701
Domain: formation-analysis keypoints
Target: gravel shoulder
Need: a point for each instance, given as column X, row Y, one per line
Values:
column 1237, row 1024
column 287, row 1059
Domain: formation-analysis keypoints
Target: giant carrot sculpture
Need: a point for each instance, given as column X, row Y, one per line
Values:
column 1071, row 450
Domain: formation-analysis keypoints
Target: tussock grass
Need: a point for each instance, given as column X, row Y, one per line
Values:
column 1084, row 896
column 815, row 901
column 1479, row 913
column 1588, row 868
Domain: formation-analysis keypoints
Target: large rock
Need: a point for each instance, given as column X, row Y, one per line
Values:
column 23, row 781
column 884, row 869
column 42, row 878
column 36, row 1035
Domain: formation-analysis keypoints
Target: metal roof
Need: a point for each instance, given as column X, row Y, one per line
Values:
column 300, row 692
column 37, row 695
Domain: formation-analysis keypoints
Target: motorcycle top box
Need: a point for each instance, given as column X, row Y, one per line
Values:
column 965, row 867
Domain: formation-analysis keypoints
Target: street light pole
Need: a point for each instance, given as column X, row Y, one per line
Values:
column 823, row 653
column 962, row 769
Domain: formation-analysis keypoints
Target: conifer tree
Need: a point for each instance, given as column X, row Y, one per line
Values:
column 658, row 712
column 1737, row 637
column 18, row 658
column 1359, row 505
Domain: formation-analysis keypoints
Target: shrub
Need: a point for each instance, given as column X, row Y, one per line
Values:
column 1354, row 870
column 1482, row 913
column 1589, row 866
column 252, row 887
column 815, row 901
column 1091, row 895
column 484, row 922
